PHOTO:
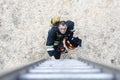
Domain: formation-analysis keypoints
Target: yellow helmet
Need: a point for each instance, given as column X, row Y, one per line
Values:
column 55, row 20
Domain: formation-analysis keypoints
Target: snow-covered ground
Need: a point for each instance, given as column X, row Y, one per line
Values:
column 24, row 25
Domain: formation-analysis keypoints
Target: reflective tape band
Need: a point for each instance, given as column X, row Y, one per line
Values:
column 72, row 30
column 50, row 49
column 50, row 46
column 72, row 38
column 59, row 35
column 56, row 43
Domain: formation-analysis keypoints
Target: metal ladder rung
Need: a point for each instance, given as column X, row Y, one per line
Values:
column 80, row 67
column 64, row 70
column 90, row 76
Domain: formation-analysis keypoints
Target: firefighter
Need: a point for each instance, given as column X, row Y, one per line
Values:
column 55, row 37
column 60, row 38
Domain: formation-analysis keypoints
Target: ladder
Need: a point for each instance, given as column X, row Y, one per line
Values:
column 64, row 69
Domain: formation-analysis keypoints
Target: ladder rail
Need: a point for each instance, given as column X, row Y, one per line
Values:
column 12, row 75
column 105, row 68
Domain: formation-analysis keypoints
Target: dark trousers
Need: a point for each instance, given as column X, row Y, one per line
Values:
column 57, row 55
column 57, row 52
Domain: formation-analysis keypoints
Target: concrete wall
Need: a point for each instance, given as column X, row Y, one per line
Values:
column 24, row 25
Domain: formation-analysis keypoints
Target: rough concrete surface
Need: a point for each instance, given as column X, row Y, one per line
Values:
column 24, row 25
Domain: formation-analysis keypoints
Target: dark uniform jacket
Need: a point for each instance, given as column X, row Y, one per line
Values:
column 55, row 38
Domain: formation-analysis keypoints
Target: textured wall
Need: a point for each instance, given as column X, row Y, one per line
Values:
column 24, row 25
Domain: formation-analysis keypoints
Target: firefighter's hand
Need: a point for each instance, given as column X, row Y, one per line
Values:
column 52, row 58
